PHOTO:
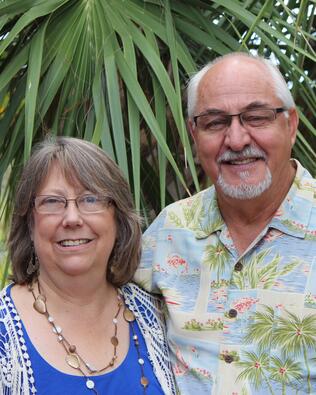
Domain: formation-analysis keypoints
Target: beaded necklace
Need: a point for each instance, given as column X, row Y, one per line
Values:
column 73, row 358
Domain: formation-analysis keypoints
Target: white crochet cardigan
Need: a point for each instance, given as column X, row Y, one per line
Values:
column 16, row 374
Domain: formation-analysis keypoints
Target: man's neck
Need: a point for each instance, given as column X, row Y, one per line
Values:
column 245, row 219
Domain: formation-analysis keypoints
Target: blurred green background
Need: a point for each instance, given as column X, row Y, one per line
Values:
column 114, row 72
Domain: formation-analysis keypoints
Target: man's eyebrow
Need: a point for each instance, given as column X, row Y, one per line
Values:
column 256, row 104
column 251, row 106
column 212, row 111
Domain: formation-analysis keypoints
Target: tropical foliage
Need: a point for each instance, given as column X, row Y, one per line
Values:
column 114, row 72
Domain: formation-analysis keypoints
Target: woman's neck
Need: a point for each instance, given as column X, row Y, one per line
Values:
column 87, row 298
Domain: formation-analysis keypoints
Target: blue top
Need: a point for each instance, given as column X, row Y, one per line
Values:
column 125, row 379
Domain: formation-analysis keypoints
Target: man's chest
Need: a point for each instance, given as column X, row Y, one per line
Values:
column 225, row 309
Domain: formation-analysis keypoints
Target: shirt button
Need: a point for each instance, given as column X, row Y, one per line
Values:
column 238, row 267
column 232, row 313
column 228, row 359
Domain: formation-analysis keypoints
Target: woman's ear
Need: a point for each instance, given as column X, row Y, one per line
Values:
column 30, row 224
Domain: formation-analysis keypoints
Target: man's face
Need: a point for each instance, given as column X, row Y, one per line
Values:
column 243, row 161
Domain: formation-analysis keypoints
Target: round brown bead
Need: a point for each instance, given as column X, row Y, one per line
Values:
column 144, row 381
column 72, row 348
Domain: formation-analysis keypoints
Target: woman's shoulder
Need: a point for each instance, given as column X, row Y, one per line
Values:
column 6, row 290
column 5, row 298
column 147, row 308
column 134, row 289
column 149, row 312
column 9, row 317
column 14, row 359
column 135, row 296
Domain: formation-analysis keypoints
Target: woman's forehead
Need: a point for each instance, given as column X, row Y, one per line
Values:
column 58, row 174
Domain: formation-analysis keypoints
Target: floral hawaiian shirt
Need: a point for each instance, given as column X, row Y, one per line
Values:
column 237, row 325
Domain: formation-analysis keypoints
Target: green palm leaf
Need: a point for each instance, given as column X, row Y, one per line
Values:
column 287, row 372
column 294, row 334
column 255, row 368
column 115, row 71
column 261, row 329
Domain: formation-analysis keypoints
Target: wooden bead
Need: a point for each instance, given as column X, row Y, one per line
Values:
column 72, row 348
column 128, row 315
column 144, row 381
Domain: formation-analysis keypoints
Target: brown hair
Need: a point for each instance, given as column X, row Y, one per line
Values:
column 83, row 162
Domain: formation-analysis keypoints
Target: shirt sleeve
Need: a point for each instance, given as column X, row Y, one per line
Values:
column 144, row 275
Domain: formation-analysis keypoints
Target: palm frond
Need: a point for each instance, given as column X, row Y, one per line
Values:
column 115, row 73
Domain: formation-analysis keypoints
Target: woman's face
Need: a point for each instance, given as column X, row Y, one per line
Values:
column 72, row 243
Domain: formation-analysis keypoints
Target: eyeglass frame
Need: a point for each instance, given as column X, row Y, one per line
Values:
column 276, row 111
column 108, row 201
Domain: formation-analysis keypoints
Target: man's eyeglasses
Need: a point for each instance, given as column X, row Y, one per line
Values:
column 86, row 204
column 212, row 122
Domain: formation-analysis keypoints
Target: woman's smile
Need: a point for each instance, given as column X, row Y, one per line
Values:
column 69, row 241
column 75, row 244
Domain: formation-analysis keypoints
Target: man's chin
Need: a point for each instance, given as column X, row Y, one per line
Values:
column 244, row 190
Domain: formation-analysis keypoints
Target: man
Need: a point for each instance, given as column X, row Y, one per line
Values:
column 236, row 262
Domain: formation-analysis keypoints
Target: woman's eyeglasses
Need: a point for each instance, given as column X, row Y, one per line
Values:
column 86, row 204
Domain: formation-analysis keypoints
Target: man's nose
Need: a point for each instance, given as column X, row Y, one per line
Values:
column 237, row 137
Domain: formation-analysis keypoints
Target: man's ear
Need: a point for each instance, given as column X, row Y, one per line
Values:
column 191, row 128
column 293, row 121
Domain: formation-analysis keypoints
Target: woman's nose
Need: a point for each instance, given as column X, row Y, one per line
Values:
column 72, row 215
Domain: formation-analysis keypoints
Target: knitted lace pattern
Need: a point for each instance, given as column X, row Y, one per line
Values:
column 149, row 314
column 16, row 374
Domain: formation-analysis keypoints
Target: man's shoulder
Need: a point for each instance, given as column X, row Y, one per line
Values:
column 188, row 213
column 298, row 210
column 200, row 198
column 303, row 178
column 305, row 186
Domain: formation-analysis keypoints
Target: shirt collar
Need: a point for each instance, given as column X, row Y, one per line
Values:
column 212, row 219
column 292, row 217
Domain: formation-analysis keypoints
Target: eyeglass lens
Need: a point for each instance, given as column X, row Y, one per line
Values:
column 57, row 204
column 251, row 118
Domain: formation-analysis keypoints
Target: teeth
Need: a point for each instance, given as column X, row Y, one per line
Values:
column 243, row 161
column 71, row 243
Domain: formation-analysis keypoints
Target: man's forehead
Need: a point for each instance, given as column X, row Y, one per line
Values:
column 239, row 83
column 235, row 74
column 236, row 100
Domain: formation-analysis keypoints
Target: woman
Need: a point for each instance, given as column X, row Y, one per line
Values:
column 67, row 323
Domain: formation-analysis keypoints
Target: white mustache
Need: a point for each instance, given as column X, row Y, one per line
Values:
column 246, row 153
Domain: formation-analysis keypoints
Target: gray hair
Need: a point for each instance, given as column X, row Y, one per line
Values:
column 281, row 89
column 83, row 162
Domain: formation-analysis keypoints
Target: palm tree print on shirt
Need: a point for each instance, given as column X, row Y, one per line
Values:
column 216, row 257
column 255, row 369
column 287, row 372
column 256, row 274
column 291, row 336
